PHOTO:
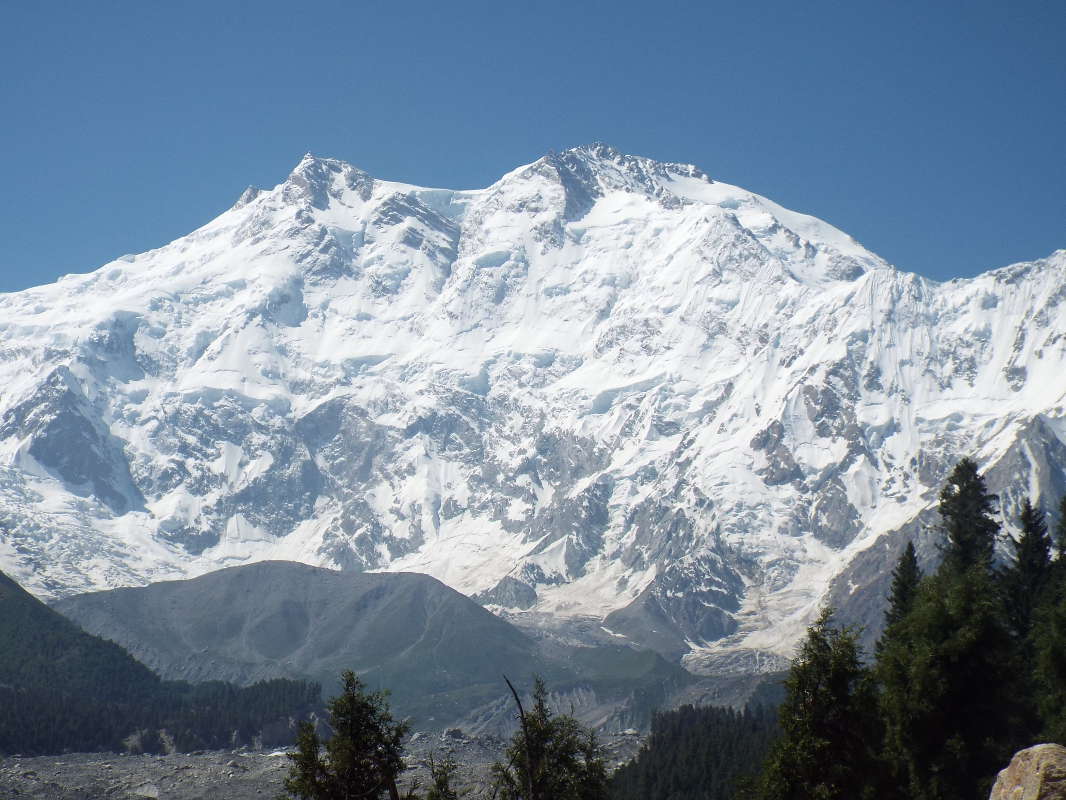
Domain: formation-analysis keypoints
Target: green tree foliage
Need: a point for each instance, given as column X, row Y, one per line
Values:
column 551, row 757
column 1049, row 656
column 62, row 689
column 905, row 579
column 968, row 656
column 1024, row 580
column 966, row 510
column 829, row 728
column 952, row 689
column 441, row 774
column 41, row 649
column 363, row 757
column 1047, row 641
column 697, row 754
column 892, row 648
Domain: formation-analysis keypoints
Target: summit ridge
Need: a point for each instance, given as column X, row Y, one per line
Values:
column 602, row 388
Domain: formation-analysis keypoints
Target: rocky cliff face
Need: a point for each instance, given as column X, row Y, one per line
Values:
column 604, row 388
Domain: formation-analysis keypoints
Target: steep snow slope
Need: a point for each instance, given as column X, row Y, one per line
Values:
column 602, row 387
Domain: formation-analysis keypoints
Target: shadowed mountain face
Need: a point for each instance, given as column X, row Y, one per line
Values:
column 40, row 648
column 440, row 654
column 62, row 690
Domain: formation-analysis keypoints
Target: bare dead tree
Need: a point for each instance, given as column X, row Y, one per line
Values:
column 530, row 766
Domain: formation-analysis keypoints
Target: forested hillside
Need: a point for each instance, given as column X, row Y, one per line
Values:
column 697, row 754
column 969, row 669
column 63, row 689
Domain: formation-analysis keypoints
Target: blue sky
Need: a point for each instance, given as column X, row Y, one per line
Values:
column 932, row 132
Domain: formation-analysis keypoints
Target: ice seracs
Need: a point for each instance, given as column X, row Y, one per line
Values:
column 602, row 387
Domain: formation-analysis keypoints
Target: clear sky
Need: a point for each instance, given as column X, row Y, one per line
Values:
column 931, row 131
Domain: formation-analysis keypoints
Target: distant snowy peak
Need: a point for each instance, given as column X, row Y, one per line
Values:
column 589, row 172
column 562, row 190
column 319, row 181
column 602, row 386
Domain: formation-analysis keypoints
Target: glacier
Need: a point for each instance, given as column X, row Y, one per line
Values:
column 605, row 392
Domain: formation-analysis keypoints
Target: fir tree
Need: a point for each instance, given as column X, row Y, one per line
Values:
column 363, row 757
column 905, row 579
column 309, row 776
column 697, row 754
column 551, row 757
column 1025, row 579
column 1048, row 643
column 953, row 695
column 1049, row 655
column 966, row 510
column 442, row 773
column 829, row 732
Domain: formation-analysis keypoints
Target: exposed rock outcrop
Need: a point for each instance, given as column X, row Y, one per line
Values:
column 1036, row 773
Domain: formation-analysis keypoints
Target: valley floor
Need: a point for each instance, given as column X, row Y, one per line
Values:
column 109, row 776
column 235, row 775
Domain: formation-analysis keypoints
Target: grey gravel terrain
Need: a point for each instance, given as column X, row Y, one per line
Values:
column 93, row 776
column 238, row 775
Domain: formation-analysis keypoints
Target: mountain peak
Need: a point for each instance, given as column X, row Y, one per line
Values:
column 608, row 156
column 605, row 378
column 589, row 172
column 316, row 179
column 247, row 196
column 606, row 168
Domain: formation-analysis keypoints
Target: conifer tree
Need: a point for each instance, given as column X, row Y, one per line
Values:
column 905, row 579
column 442, row 773
column 704, row 753
column 1049, row 646
column 363, row 757
column 829, row 731
column 1024, row 580
column 1048, row 643
column 952, row 696
column 966, row 510
column 551, row 757
column 951, row 693
column 892, row 649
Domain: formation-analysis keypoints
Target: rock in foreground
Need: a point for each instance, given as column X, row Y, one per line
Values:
column 1036, row 773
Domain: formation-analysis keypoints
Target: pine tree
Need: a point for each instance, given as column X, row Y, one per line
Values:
column 905, row 579
column 1048, row 643
column 1050, row 675
column 705, row 753
column 1025, row 579
column 894, row 643
column 363, row 757
column 966, row 511
column 829, row 731
column 309, row 775
column 551, row 757
column 953, row 695
column 442, row 773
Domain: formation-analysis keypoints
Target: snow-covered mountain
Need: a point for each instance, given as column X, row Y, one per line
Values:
column 604, row 388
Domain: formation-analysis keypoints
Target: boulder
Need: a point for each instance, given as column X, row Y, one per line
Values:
column 1036, row 773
